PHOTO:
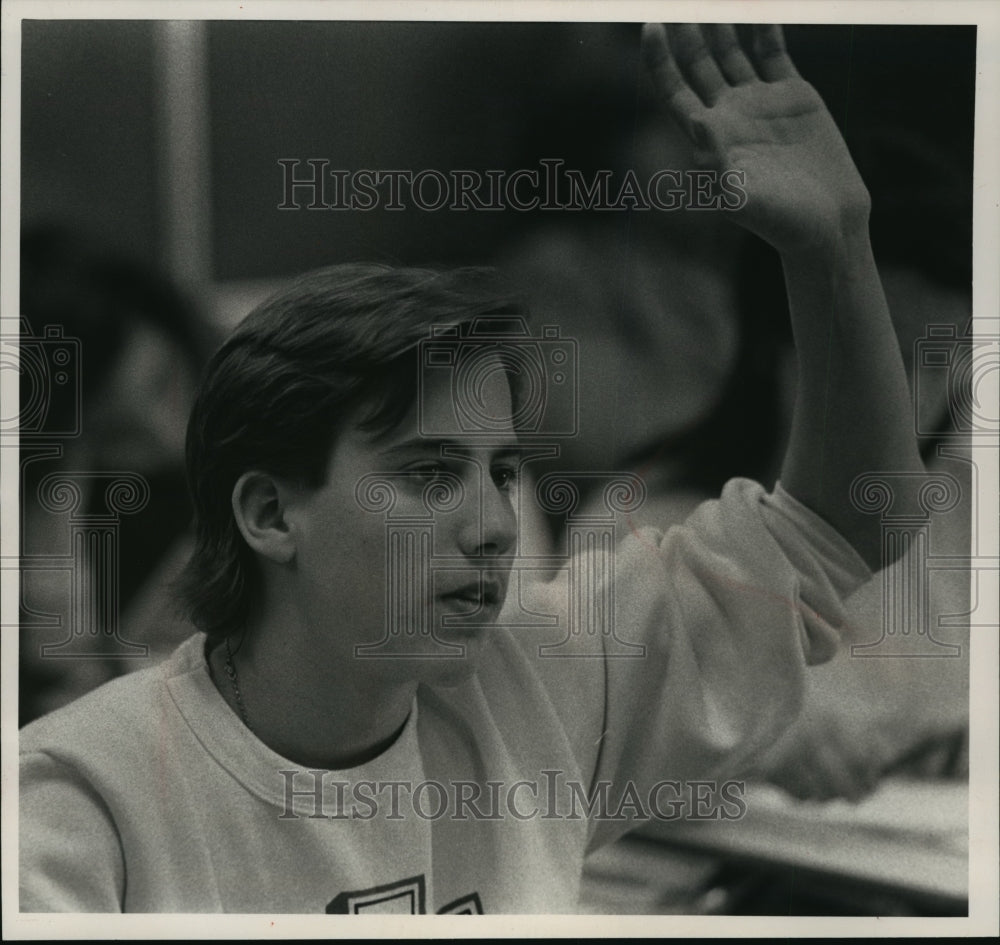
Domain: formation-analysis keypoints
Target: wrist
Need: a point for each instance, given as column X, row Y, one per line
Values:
column 833, row 247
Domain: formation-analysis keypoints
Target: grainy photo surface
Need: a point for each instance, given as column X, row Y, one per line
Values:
column 496, row 468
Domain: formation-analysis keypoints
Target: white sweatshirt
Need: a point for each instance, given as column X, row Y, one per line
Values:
column 150, row 795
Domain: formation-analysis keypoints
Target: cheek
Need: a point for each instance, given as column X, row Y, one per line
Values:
column 349, row 557
column 331, row 537
column 357, row 549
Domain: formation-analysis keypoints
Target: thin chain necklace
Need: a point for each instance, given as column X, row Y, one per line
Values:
column 234, row 681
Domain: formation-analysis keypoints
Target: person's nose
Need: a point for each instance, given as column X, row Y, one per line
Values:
column 489, row 527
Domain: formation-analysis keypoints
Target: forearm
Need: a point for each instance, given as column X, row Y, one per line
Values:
column 853, row 411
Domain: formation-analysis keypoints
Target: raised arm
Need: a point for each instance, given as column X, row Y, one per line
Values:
column 755, row 114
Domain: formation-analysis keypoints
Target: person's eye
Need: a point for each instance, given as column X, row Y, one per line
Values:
column 504, row 477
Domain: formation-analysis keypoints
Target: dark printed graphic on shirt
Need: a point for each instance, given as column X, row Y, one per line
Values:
column 405, row 897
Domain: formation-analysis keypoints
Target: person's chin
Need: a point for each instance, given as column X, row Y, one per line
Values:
column 465, row 645
column 447, row 674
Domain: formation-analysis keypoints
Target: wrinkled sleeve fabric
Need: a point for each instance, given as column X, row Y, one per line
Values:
column 70, row 854
column 729, row 609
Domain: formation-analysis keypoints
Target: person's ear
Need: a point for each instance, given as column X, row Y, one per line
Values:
column 259, row 507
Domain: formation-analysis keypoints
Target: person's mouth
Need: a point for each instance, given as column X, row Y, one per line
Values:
column 481, row 596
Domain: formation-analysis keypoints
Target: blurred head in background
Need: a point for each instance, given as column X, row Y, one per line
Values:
column 141, row 345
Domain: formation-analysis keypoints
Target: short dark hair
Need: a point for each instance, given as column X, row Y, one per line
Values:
column 336, row 344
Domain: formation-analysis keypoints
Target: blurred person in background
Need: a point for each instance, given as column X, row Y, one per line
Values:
column 141, row 348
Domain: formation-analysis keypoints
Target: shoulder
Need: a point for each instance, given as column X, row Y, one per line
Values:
column 113, row 721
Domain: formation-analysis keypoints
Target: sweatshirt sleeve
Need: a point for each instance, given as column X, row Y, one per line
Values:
column 727, row 611
column 70, row 854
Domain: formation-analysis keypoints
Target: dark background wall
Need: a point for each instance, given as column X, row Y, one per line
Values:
column 399, row 95
column 87, row 130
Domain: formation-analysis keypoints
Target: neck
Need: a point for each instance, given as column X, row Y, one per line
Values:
column 317, row 713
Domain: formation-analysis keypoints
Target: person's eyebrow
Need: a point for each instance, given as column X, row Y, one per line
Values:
column 418, row 444
column 498, row 451
column 443, row 446
column 508, row 451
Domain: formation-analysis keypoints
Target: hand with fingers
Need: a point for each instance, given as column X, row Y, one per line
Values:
column 751, row 112
column 754, row 114
column 829, row 753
